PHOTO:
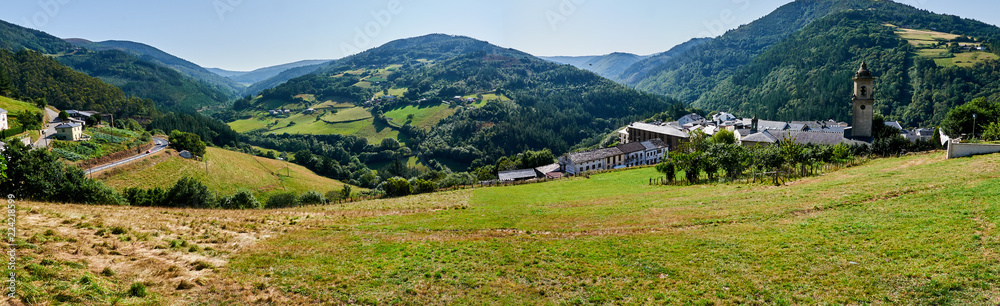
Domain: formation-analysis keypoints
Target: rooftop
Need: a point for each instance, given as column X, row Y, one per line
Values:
column 654, row 144
column 548, row 168
column 517, row 174
column 3, row 111
column 814, row 138
column 659, row 129
column 582, row 157
column 631, row 147
column 68, row 125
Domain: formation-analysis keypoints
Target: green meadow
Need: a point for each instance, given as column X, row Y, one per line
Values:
column 911, row 230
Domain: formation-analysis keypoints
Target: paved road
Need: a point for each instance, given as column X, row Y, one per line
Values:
column 160, row 145
column 49, row 131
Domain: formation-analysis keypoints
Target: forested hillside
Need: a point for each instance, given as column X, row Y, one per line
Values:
column 807, row 76
column 165, row 86
column 30, row 75
column 520, row 102
column 231, row 88
column 796, row 63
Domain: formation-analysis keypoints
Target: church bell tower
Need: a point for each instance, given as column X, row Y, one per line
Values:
column 864, row 103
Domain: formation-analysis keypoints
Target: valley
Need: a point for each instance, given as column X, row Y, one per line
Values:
column 821, row 152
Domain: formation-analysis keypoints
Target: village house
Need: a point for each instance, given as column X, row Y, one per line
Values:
column 622, row 156
column 71, row 131
column 3, row 120
column 671, row 135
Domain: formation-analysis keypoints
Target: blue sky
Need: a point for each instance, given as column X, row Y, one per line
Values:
column 248, row 34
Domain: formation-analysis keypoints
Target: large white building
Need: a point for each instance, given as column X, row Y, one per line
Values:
column 623, row 156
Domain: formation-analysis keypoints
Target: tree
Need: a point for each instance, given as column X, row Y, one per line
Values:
column 187, row 141
column 723, row 137
column 41, row 102
column 992, row 132
column 63, row 115
column 345, row 192
column 312, row 197
column 189, row 192
column 396, row 187
column 669, row 169
column 283, row 200
column 243, row 199
column 30, row 120
column 959, row 120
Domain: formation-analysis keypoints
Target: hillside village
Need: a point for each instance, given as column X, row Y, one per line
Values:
column 644, row 144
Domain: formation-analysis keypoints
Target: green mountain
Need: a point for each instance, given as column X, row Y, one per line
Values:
column 30, row 75
column 521, row 102
column 231, row 88
column 165, row 86
column 796, row 63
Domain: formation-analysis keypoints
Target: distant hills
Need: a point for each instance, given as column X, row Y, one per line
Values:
column 620, row 66
column 252, row 77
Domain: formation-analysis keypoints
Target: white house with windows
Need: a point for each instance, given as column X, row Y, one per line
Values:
column 623, row 156
column 3, row 120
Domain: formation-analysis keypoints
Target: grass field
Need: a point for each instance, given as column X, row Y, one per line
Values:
column 927, row 44
column 14, row 106
column 913, row 230
column 228, row 172
column 424, row 116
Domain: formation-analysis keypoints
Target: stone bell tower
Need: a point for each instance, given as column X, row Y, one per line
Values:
column 864, row 103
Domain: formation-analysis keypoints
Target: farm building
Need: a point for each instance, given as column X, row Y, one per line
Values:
column 517, row 175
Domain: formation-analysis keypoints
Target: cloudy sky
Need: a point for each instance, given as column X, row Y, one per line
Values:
column 249, row 34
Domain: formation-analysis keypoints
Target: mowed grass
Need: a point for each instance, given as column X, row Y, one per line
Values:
column 228, row 172
column 912, row 230
column 424, row 116
column 349, row 114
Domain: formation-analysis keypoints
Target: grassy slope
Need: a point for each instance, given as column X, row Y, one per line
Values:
column 424, row 116
column 14, row 106
column 906, row 230
column 926, row 42
column 228, row 172
column 914, row 230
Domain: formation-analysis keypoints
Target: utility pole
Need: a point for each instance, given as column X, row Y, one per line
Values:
column 973, row 126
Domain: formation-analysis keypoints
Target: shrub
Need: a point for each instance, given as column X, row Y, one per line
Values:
column 189, row 192
column 283, row 200
column 243, row 199
column 137, row 290
column 422, row 186
column 456, row 179
column 396, row 187
column 312, row 197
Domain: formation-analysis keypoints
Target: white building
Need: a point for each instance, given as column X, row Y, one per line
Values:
column 3, row 120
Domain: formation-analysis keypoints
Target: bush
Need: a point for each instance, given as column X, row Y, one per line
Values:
column 396, row 187
column 189, row 192
column 422, row 186
column 456, row 179
column 283, row 200
column 312, row 197
column 242, row 199
column 137, row 290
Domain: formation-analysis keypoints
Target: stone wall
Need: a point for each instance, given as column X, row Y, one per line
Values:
column 956, row 149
